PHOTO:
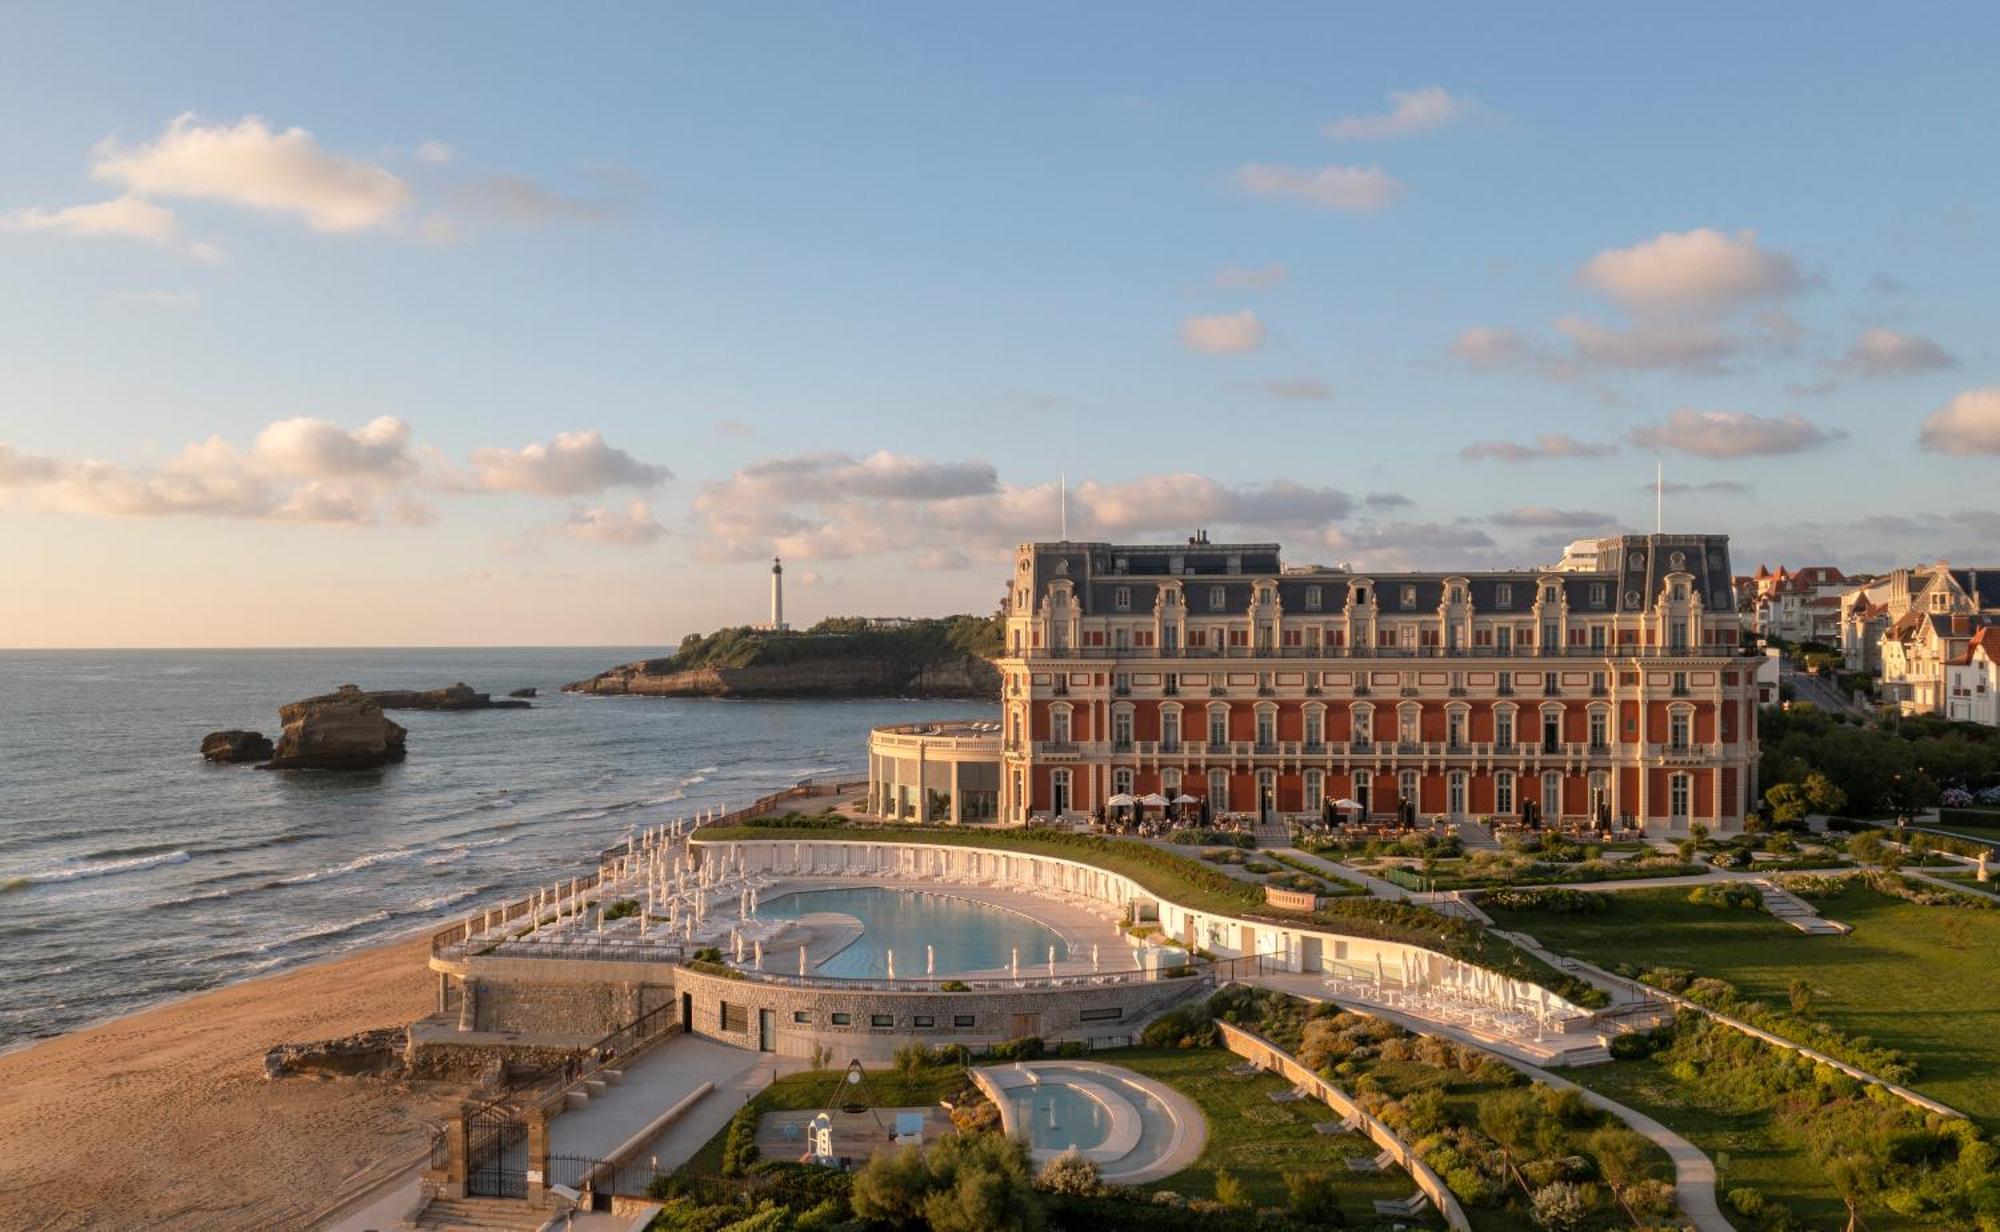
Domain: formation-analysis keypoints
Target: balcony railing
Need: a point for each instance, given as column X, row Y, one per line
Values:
column 1391, row 652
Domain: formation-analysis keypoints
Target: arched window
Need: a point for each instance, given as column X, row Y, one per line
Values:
column 1121, row 780
column 1218, row 727
column 1267, row 792
column 1600, row 729
column 1315, row 795
column 1680, row 796
column 1363, row 736
column 1170, row 728
column 1267, row 728
column 1409, row 724
column 1552, row 795
column 1457, row 721
column 1170, row 782
column 1552, row 729
column 1503, row 727
column 1059, row 729
column 1315, row 727
column 1600, row 795
column 1454, row 793
column 1680, row 728
column 1406, row 787
column 1218, row 790
column 1059, row 797
column 1503, row 793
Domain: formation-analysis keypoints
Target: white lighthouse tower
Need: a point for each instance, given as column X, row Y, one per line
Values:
column 777, row 595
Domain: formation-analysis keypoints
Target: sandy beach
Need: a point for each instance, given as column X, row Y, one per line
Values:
column 164, row 1119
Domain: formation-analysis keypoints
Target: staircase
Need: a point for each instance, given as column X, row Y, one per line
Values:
column 1798, row 913
column 481, row 1215
column 1272, row 833
column 1473, row 837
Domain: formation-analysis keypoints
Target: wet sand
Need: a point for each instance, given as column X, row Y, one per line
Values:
column 164, row 1119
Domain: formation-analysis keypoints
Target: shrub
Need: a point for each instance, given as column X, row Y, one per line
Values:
column 960, row 1183
column 739, row 1144
column 1187, row 1027
column 1550, row 898
column 622, row 908
column 1470, row 1184
column 1314, row 1198
column 1071, row 1174
column 1561, row 1207
column 1027, row 1048
column 1229, row 1191
column 1729, row 896
column 954, row 986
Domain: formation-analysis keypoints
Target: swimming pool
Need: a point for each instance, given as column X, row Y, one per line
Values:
column 1135, row 1129
column 1059, row 1116
column 964, row 935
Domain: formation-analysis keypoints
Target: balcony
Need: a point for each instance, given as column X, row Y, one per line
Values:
column 1690, row 754
column 1389, row 652
column 1218, row 746
column 1057, row 748
column 1457, row 690
column 1170, row 747
column 1265, row 748
column 1121, row 690
column 1121, row 746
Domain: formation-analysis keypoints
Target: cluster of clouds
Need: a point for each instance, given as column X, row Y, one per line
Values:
column 1702, row 302
column 307, row 470
column 250, row 165
column 1339, row 187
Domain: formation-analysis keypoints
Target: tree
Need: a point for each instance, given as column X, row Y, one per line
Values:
column 1314, row 1198
column 1822, row 794
column 1514, row 1121
column 1622, row 1157
column 1854, row 1177
column 963, row 1183
column 1801, row 996
column 1788, row 805
column 1070, row 1173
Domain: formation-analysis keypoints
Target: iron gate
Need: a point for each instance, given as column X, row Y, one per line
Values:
column 496, row 1163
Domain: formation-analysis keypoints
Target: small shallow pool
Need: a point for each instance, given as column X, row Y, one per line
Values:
column 964, row 935
column 1133, row 1128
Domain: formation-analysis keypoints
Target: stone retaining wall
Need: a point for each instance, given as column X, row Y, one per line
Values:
column 1255, row 1048
column 878, row 1021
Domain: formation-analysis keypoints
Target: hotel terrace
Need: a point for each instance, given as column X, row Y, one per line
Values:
column 1610, row 689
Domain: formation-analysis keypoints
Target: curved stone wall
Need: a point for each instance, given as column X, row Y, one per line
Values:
column 1290, row 947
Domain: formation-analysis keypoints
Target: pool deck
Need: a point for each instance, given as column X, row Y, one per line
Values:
column 1125, row 1133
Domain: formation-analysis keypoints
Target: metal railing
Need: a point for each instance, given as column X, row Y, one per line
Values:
column 1616, row 651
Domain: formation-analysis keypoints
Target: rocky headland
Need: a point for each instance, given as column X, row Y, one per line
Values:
column 460, row 696
column 235, row 746
column 842, row 657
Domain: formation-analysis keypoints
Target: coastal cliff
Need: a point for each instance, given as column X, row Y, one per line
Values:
column 343, row 730
column 840, row 657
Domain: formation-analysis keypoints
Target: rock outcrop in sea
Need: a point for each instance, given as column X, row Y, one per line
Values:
column 343, row 730
column 235, row 746
column 460, row 696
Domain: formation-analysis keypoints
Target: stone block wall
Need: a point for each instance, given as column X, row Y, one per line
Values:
column 581, row 1009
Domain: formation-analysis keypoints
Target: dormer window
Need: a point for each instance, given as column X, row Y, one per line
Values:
column 1170, row 598
column 1409, row 597
column 1503, row 595
column 1548, row 594
column 1121, row 599
column 1312, row 598
column 1361, row 596
column 1264, row 595
column 1215, row 602
column 1597, row 594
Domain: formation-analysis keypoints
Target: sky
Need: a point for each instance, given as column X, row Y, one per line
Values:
column 519, row 325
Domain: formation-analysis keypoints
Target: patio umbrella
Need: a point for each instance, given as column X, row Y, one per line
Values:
column 1122, row 799
column 1154, row 800
column 1184, row 798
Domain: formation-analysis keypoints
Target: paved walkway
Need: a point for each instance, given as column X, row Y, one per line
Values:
column 657, row 1081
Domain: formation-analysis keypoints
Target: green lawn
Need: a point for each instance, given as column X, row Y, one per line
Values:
column 1966, row 879
column 1986, row 834
column 1920, row 979
column 1256, row 1140
column 1749, row 1146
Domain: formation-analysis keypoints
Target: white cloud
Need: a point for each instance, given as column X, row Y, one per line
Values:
column 1733, row 434
column 944, row 558
column 1298, row 388
column 1692, row 271
column 1547, row 445
column 1481, row 347
column 1230, row 333
column 315, row 448
column 1259, row 278
column 1164, row 502
column 1969, row 423
column 1541, row 516
column 634, row 526
column 248, row 164
column 1689, row 346
column 1396, row 545
column 1410, row 112
column 436, row 153
column 1355, row 189
column 734, row 427
column 21, row 470
column 128, row 217
column 574, row 464
column 1885, row 352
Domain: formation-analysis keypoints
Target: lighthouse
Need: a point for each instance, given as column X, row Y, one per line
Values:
column 777, row 595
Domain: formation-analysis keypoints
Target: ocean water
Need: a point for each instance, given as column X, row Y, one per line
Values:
column 133, row 872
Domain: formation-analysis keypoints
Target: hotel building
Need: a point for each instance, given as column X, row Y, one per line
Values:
column 1613, row 687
